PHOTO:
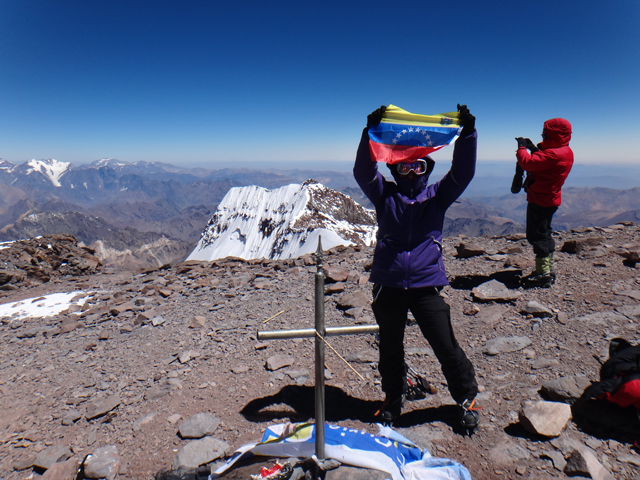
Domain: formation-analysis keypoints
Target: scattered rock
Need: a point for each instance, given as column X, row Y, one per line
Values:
column 499, row 345
column 102, row 406
column 565, row 389
column 545, row 418
column 104, row 463
column 583, row 462
column 197, row 322
column 51, row 455
column 276, row 362
column 67, row 470
column 536, row 309
column 580, row 244
column 199, row 425
column 351, row 300
column 199, row 452
column 468, row 250
column 494, row 291
column 507, row 453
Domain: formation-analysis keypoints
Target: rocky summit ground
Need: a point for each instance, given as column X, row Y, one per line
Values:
column 120, row 376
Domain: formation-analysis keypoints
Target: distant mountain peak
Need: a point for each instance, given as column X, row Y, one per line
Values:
column 108, row 162
column 7, row 165
column 253, row 222
column 50, row 168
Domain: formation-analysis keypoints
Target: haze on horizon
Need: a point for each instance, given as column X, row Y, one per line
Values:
column 210, row 83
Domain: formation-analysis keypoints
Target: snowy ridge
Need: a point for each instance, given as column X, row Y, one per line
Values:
column 253, row 222
column 7, row 166
column 50, row 168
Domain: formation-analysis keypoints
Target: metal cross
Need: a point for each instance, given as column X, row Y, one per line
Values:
column 319, row 332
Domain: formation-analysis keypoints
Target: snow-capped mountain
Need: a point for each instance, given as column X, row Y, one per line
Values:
column 253, row 222
column 50, row 168
column 6, row 166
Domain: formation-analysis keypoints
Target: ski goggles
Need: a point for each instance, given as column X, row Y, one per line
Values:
column 418, row 167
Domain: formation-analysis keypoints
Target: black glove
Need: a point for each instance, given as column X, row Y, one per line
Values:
column 467, row 121
column 516, row 184
column 521, row 142
column 375, row 117
column 529, row 144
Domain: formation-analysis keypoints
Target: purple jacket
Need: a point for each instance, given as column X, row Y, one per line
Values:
column 408, row 253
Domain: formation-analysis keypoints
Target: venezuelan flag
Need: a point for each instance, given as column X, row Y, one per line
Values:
column 403, row 137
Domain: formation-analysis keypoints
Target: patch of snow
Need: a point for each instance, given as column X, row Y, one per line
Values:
column 4, row 245
column 44, row 306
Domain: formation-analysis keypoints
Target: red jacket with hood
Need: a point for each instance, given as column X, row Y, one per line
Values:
column 548, row 168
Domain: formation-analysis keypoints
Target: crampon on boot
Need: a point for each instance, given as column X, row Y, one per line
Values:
column 469, row 417
column 390, row 411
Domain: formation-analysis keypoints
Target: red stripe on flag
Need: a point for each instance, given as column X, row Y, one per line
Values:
column 393, row 154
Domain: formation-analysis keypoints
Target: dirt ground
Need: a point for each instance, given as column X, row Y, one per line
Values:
column 203, row 355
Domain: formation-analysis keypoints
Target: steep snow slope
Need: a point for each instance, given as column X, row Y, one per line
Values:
column 51, row 168
column 253, row 222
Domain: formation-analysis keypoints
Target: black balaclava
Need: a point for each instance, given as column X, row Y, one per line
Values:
column 412, row 185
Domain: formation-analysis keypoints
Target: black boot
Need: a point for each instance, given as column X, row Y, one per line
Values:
column 390, row 411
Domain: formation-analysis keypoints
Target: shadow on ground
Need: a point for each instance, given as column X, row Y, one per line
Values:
column 339, row 406
column 607, row 421
column 301, row 399
column 511, row 278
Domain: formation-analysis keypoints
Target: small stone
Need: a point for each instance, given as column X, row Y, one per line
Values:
column 351, row 300
column 583, row 462
column 70, row 417
column 494, row 291
column 276, row 362
column 536, row 309
column 470, row 309
column 51, row 455
column 468, row 250
column 199, row 452
column 102, row 406
column 67, row 470
column 197, row 322
column 174, row 418
column 499, row 345
column 199, row 425
column 545, row 418
column 103, row 463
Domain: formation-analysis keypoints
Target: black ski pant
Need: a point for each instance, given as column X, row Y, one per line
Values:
column 539, row 229
column 433, row 315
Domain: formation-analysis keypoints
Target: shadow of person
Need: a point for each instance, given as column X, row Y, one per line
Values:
column 301, row 399
column 297, row 403
column 443, row 413
column 510, row 278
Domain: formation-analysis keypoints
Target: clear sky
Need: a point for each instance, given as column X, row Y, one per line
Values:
column 205, row 83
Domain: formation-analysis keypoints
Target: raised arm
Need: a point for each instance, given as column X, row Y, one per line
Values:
column 365, row 169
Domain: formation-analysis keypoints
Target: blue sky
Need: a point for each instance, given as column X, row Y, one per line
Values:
column 209, row 83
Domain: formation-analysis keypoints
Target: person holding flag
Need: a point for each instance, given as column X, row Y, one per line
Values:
column 408, row 271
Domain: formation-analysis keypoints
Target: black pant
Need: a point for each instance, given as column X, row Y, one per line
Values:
column 539, row 229
column 433, row 315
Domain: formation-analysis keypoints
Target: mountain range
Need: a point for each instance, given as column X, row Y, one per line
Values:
column 144, row 214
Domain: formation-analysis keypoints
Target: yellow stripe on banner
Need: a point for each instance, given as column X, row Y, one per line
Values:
column 395, row 114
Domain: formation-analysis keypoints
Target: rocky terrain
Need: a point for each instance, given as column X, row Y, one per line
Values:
column 119, row 372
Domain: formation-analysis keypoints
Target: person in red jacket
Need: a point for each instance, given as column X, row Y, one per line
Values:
column 547, row 167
